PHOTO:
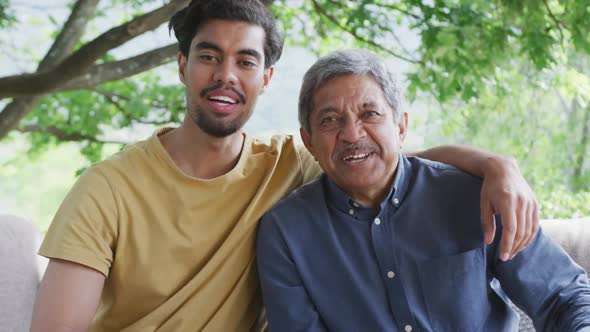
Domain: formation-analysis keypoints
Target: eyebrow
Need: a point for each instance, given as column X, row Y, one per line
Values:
column 369, row 104
column 325, row 110
column 212, row 46
column 207, row 45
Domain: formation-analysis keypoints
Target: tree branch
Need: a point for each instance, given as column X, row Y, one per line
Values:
column 118, row 70
column 71, row 33
column 332, row 19
column 558, row 23
column 64, row 136
column 401, row 10
column 80, row 60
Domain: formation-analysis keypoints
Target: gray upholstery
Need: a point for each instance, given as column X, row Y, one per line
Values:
column 574, row 236
column 19, row 272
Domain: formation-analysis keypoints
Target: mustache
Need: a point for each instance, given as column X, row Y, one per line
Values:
column 218, row 86
column 348, row 148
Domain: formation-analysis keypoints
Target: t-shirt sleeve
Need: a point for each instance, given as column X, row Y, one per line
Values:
column 310, row 169
column 84, row 229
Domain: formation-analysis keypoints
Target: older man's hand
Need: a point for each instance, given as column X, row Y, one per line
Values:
column 506, row 192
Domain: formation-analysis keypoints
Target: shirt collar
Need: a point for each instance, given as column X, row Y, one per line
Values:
column 343, row 202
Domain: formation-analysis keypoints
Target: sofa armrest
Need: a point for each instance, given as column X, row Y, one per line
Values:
column 573, row 235
column 19, row 275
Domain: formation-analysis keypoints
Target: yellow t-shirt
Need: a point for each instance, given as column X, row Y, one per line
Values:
column 178, row 252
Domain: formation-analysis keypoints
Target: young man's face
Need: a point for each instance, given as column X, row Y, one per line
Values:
column 354, row 136
column 224, row 74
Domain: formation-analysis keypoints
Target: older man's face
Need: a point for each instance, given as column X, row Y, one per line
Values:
column 355, row 137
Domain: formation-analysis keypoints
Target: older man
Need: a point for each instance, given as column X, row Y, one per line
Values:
column 382, row 242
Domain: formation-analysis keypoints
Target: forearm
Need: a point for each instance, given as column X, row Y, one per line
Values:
column 469, row 159
column 576, row 315
column 546, row 284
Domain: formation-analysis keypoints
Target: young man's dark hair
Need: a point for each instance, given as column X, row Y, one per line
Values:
column 187, row 21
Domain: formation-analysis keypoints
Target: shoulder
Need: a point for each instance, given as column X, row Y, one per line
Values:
column 296, row 209
column 289, row 154
column 276, row 144
column 437, row 173
column 130, row 153
column 131, row 162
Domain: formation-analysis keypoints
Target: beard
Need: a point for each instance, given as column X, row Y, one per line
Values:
column 217, row 127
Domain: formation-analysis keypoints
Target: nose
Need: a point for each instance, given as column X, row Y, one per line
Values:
column 225, row 73
column 352, row 130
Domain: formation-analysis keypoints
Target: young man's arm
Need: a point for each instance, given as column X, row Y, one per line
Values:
column 504, row 192
column 80, row 245
column 67, row 298
column 288, row 306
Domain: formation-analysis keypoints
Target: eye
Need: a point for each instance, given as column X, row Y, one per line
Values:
column 248, row 63
column 328, row 119
column 207, row 58
column 329, row 122
column 370, row 115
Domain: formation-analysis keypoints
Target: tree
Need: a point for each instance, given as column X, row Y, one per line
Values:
column 541, row 117
column 80, row 88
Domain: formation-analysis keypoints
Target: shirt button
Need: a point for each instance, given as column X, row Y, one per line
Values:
column 351, row 211
column 377, row 221
column 396, row 202
column 408, row 328
column 390, row 275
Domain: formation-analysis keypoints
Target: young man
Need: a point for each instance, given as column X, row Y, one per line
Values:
column 382, row 242
column 161, row 236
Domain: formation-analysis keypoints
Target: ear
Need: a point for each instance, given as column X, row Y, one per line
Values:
column 306, row 138
column 403, row 126
column 267, row 76
column 181, row 59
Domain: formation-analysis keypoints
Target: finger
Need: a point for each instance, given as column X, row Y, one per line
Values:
column 535, row 222
column 488, row 222
column 530, row 224
column 520, row 237
column 508, row 232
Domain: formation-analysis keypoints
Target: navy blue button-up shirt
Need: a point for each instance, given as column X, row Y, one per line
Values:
column 417, row 263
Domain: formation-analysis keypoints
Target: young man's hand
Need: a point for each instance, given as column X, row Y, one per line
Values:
column 506, row 192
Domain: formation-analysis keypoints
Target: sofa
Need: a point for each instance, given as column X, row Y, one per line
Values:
column 21, row 268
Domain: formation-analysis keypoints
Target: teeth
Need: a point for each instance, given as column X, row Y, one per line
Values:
column 356, row 157
column 223, row 99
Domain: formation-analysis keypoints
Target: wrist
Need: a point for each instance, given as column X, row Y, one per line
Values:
column 497, row 165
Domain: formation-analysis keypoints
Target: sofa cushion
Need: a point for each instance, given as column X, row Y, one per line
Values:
column 573, row 235
column 19, row 273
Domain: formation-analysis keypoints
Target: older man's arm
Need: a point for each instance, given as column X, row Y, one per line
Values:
column 546, row 284
column 288, row 306
column 504, row 192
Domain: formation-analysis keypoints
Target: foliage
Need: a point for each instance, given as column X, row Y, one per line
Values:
column 461, row 41
column 543, row 119
column 6, row 16
column 88, row 115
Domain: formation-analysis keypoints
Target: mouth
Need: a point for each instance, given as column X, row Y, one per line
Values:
column 356, row 157
column 223, row 100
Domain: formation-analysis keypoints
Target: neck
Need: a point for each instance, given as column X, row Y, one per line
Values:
column 201, row 155
column 370, row 199
column 373, row 197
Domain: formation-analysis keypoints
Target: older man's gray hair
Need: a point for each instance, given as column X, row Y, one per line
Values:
column 347, row 62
